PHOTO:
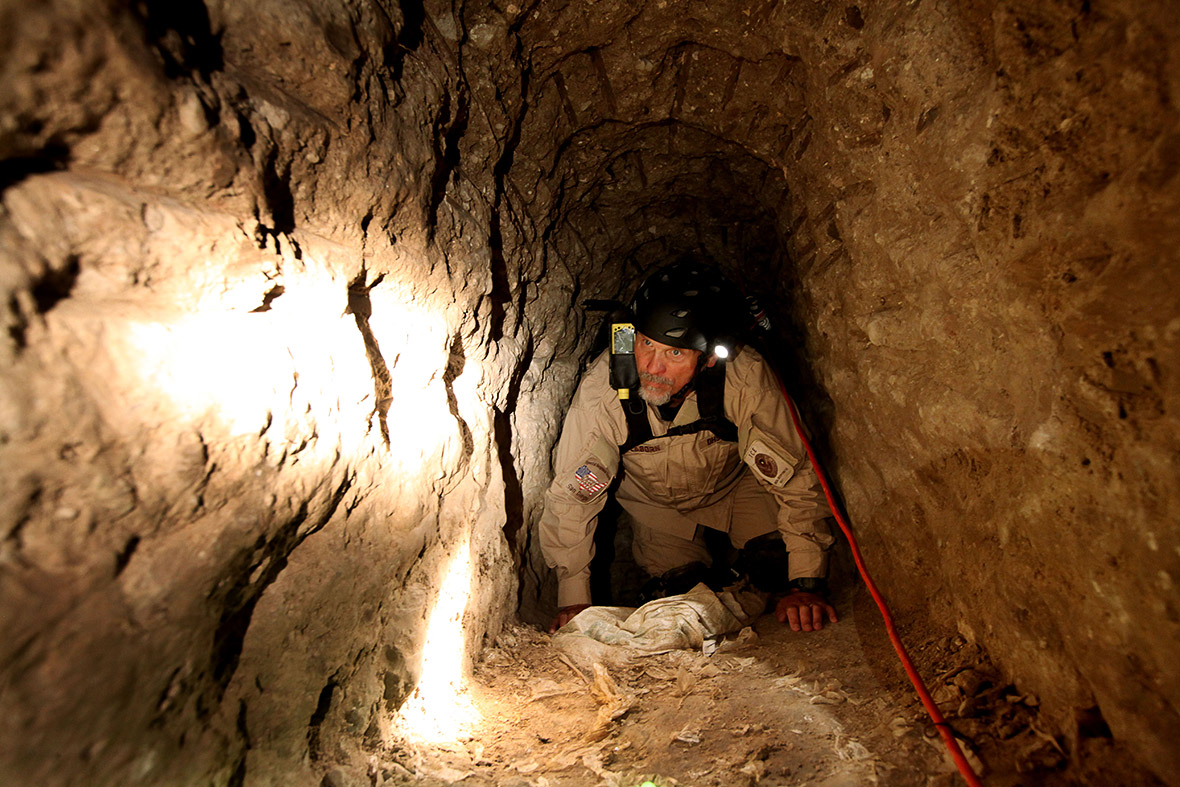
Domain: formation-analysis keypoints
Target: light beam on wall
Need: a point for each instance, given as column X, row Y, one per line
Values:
column 299, row 376
column 440, row 709
column 298, row 372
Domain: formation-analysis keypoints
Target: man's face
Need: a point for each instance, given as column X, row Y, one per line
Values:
column 663, row 369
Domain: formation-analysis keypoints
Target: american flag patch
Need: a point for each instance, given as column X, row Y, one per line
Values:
column 588, row 483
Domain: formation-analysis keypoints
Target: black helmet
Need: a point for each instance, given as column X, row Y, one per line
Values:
column 685, row 305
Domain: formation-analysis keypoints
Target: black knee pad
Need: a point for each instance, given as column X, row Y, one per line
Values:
column 684, row 578
column 764, row 561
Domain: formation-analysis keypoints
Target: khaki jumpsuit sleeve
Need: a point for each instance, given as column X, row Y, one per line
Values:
column 586, row 463
column 770, row 445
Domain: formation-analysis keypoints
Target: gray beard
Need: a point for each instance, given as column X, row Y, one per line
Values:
column 651, row 397
column 654, row 399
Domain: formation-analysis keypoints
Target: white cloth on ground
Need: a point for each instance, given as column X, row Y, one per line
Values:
column 685, row 621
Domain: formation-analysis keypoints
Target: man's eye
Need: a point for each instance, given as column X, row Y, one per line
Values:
column 676, row 353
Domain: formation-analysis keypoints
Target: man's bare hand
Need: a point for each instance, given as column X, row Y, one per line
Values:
column 565, row 615
column 804, row 611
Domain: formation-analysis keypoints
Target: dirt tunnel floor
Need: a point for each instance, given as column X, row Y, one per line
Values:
column 772, row 708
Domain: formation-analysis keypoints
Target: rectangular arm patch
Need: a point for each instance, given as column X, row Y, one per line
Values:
column 589, row 479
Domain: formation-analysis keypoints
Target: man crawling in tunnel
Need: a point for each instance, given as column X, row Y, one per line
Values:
column 707, row 448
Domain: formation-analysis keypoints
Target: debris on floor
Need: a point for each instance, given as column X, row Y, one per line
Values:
column 767, row 706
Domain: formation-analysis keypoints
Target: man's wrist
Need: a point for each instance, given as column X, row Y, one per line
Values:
column 573, row 591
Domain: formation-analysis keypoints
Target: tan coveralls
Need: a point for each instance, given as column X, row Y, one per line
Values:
column 672, row 485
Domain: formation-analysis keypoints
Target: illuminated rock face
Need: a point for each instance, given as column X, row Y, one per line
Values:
column 262, row 365
column 290, row 306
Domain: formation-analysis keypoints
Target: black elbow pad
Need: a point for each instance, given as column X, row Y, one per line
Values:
column 810, row 585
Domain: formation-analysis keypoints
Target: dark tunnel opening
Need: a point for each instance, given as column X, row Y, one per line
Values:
column 959, row 218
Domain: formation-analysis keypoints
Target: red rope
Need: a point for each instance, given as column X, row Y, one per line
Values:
column 916, row 679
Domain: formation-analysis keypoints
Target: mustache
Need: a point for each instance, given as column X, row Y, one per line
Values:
column 655, row 378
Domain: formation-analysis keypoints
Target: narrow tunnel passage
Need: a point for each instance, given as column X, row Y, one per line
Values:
column 231, row 530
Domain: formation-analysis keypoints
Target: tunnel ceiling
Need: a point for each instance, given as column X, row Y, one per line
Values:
column 656, row 129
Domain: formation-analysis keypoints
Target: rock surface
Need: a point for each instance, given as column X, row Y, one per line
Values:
column 291, row 306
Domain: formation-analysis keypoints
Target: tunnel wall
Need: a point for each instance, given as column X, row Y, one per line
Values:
column 987, row 263
column 268, row 363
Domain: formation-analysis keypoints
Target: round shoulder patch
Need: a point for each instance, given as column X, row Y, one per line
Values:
column 772, row 464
